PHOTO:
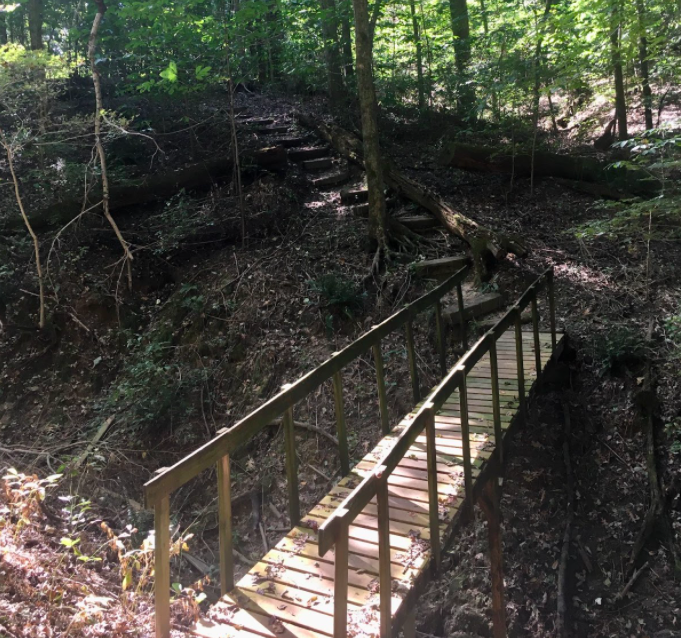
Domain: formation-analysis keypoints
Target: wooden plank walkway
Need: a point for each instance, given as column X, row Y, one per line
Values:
column 289, row 592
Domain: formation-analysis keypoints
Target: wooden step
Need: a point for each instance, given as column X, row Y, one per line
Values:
column 334, row 179
column 290, row 142
column 418, row 222
column 440, row 268
column 318, row 164
column 256, row 121
column 361, row 210
column 308, row 153
column 475, row 305
column 271, row 130
column 350, row 196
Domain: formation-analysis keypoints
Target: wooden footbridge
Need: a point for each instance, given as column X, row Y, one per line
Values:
column 356, row 563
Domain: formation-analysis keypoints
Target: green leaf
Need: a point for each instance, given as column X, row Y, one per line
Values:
column 170, row 74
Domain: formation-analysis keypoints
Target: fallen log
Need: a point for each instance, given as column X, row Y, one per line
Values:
column 483, row 241
column 153, row 188
column 576, row 168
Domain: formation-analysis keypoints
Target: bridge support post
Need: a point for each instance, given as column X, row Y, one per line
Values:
column 380, row 380
column 162, row 566
column 409, row 626
column 489, row 501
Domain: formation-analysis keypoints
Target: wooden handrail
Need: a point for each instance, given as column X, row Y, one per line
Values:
column 169, row 479
column 334, row 530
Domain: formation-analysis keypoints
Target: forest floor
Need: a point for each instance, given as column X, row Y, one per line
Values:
column 212, row 328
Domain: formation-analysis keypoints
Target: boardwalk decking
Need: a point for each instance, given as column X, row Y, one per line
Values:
column 289, row 592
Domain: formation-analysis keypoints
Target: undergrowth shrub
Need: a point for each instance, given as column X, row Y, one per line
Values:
column 620, row 346
column 341, row 297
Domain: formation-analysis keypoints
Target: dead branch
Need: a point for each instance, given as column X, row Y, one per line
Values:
column 310, row 428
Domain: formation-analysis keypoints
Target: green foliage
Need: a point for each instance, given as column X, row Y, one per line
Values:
column 621, row 345
column 673, row 430
column 672, row 326
column 656, row 154
column 339, row 294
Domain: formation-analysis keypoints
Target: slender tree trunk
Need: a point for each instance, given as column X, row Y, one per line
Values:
column 3, row 27
column 375, row 15
column 36, row 245
column 462, row 55
column 419, row 54
column 429, row 55
column 645, row 70
column 620, row 96
column 346, row 38
column 35, row 23
column 538, row 55
column 332, row 52
column 369, row 111
column 99, row 107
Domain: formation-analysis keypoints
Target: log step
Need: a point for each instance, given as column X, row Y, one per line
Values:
column 418, row 222
column 334, row 179
column 361, row 210
column 350, row 196
column 318, row 164
column 311, row 152
column 475, row 305
column 270, row 130
column 289, row 142
column 256, row 121
column 442, row 267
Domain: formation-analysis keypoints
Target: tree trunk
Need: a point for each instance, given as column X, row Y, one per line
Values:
column 369, row 111
column 99, row 145
column 585, row 169
column 419, row 54
column 346, row 38
column 645, row 71
column 332, row 52
column 3, row 27
column 35, row 23
column 483, row 241
column 620, row 97
column 156, row 188
column 462, row 56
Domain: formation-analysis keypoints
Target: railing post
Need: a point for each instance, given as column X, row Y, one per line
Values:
column 552, row 308
column 433, row 503
column 462, row 318
column 162, row 566
column 519, row 360
column 291, row 467
column 380, row 379
column 465, row 438
column 384, row 575
column 340, row 423
column 535, row 330
column 340, row 578
column 490, row 504
column 441, row 341
column 225, row 525
column 413, row 369
column 496, row 399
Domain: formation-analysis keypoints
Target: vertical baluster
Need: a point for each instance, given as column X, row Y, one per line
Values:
column 409, row 627
column 413, row 369
column 384, row 576
column 162, row 566
column 380, row 379
column 496, row 399
column 433, row 503
column 465, row 438
column 535, row 330
column 291, row 467
column 441, row 341
column 519, row 360
column 340, row 578
column 340, row 423
column 462, row 318
column 552, row 308
column 225, row 526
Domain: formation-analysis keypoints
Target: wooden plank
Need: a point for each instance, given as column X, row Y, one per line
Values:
column 291, row 468
column 300, row 154
column 413, row 368
column 340, row 423
column 384, row 555
column 317, row 164
column 380, row 381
